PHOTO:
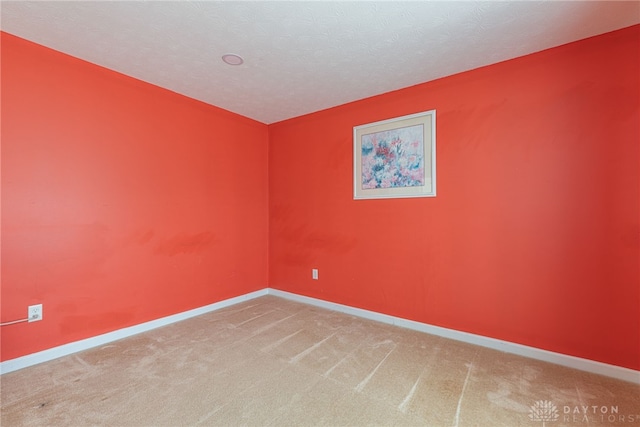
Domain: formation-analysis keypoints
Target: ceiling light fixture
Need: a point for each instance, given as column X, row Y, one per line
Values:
column 232, row 59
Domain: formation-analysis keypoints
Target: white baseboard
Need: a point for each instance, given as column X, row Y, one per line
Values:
column 74, row 347
column 587, row 365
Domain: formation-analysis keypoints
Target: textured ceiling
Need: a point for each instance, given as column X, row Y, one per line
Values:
column 302, row 57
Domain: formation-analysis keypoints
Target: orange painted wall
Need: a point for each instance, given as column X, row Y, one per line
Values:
column 121, row 202
column 533, row 237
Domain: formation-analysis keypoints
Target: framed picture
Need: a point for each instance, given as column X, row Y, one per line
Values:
column 395, row 158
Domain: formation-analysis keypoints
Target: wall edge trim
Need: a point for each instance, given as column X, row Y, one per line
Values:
column 587, row 365
column 98, row 340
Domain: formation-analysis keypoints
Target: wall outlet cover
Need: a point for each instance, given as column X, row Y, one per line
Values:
column 35, row 313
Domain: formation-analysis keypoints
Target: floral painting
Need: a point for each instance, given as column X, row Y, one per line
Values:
column 393, row 158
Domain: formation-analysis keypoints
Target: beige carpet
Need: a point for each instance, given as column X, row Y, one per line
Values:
column 273, row 362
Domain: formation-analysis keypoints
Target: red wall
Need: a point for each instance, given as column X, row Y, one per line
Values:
column 121, row 202
column 533, row 237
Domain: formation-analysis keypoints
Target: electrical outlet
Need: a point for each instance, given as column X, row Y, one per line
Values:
column 35, row 313
column 314, row 274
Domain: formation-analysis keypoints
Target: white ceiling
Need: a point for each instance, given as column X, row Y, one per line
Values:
column 302, row 57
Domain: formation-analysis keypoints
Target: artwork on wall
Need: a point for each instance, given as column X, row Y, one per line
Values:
column 395, row 158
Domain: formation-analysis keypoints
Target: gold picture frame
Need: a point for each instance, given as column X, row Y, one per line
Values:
column 395, row 158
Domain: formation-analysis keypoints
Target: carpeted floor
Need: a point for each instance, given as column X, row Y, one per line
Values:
column 274, row 362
